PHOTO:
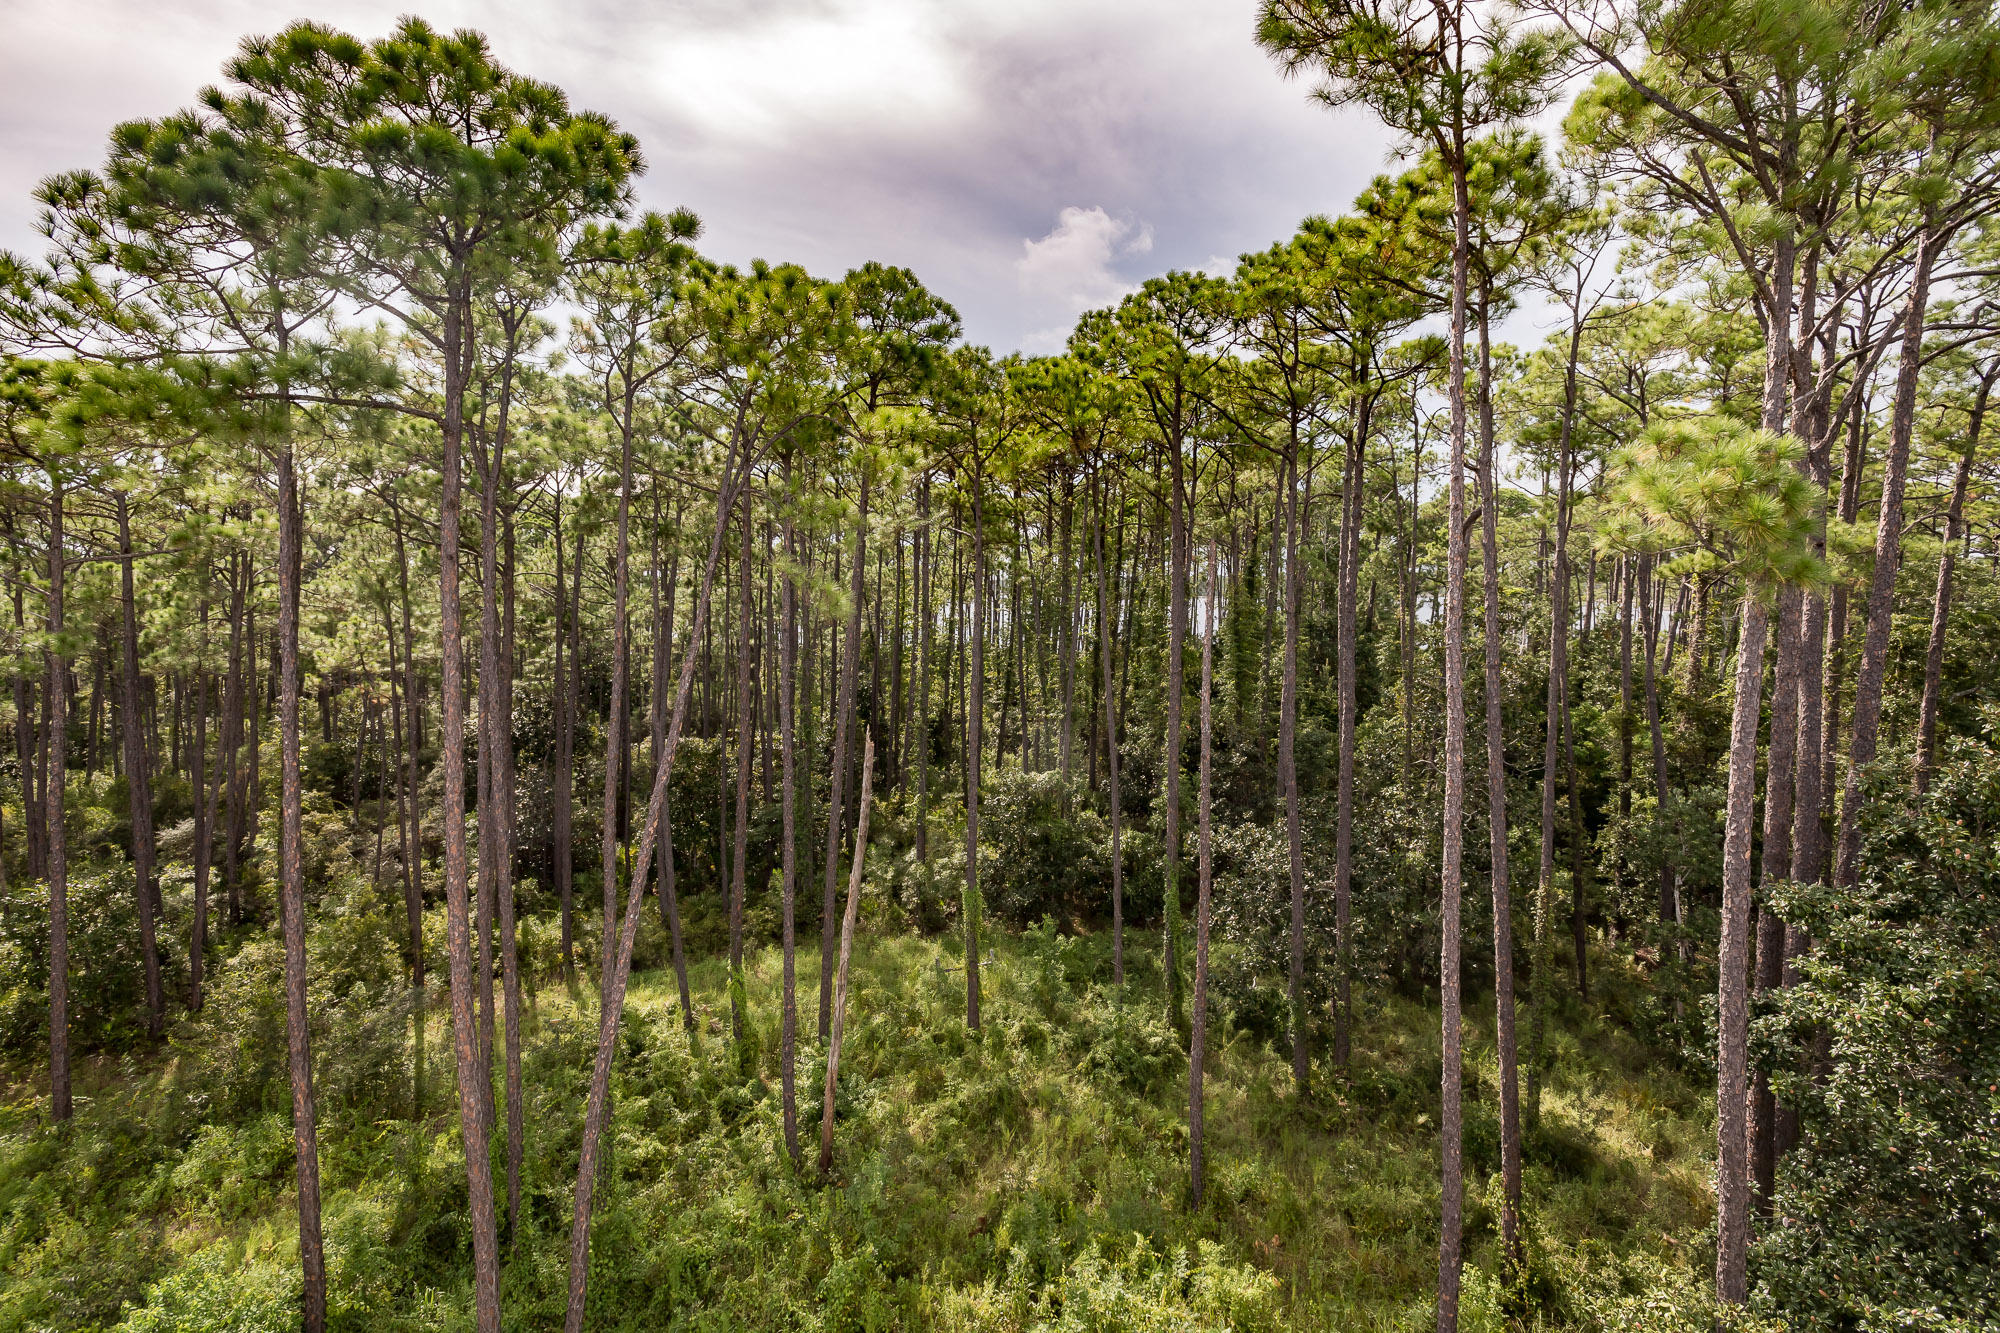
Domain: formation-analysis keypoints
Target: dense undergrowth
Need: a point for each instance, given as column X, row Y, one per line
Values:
column 1032, row 1176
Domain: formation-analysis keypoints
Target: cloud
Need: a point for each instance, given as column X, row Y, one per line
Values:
column 1073, row 268
column 826, row 132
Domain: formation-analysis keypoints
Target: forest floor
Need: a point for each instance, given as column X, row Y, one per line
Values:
column 1034, row 1176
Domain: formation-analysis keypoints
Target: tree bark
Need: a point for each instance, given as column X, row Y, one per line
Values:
column 846, row 952
column 1288, row 781
column 291, row 891
column 974, row 710
column 1111, row 751
column 472, row 1075
column 663, row 646
column 138, row 778
column 746, row 740
column 1501, row 886
column 1451, row 1123
column 1954, row 531
column 598, row 1103
column 1198, row 1023
column 788, row 815
column 843, row 730
column 1888, row 554
column 56, row 668
column 1732, row 1184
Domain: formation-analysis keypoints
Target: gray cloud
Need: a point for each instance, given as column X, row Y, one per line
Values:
column 1023, row 158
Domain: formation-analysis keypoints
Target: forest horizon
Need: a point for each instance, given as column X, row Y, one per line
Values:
column 556, row 781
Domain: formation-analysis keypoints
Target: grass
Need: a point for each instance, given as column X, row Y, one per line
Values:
column 1031, row 1176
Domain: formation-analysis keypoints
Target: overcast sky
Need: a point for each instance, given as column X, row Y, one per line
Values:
column 1027, row 158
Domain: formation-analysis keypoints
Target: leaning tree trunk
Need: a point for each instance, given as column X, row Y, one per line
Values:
column 597, row 1105
column 843, row 732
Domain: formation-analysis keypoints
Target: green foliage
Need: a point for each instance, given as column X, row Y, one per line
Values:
column 1892, row 1201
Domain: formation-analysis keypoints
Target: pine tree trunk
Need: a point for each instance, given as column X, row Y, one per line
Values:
column 843, row 731
column 1288, row 778
column 598, row 1103
column 1732, row 1183
column 291, row 891
column 204, row 816
column 846, row 952
column 472, row 1075
column 56, row 669
column 1888, row 555
column 1198, row 1024
column 1352, row 498
column 1111, row 752
column 1954, row 531
column 746, row 739
column 788, row 816
column 138, row 779
column 1501, row 886
column 663, row 646
column 1451, row 1123
column 974, row 710
column 562, row 779
column 1170, row 851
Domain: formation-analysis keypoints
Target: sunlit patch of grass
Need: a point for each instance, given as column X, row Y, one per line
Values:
column 1030, row 1176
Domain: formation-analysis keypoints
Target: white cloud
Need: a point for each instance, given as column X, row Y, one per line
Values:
column 1074, row 267
column 879, row 66
column 827, row 132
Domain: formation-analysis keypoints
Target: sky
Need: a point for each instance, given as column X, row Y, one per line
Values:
column 1027, row 159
